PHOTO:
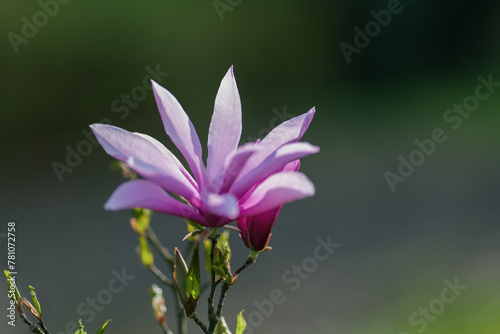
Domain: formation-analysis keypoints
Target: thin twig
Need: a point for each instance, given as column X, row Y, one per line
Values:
column 169, row 259
column 164, row 252
column 42, row 326
column 200, row 323
column 165, row 328
column 161, row 276
column 33, row 328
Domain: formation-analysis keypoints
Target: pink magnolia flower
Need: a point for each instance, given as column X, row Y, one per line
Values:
column 238, row 181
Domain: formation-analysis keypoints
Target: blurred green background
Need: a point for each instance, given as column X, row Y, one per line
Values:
column 397, row 248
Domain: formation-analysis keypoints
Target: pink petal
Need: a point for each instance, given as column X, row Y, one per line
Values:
column 155, row 175
column 149, row 158
column 243, row 227
column 171, row 157
column 287, row 132
column 293, row 166
column 224, row 205
column 225, row 128
column 274, row 163
column 255, row 230
column 147, row 195
column 181, row 131
column 233, row 166
column 290, row 167
column 276, row 190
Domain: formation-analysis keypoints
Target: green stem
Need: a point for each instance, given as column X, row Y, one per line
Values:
column 246, row 264
column 212, row 317
column 33, row 328
column 225, row 288
column 200, row 323
column 42, row 326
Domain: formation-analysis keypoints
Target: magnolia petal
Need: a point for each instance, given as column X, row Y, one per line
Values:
column 293, row 166
column 233, row 166
column 147, row 195
column 255, row 230
column 181, row 131
column 278, row 189
column 225, row 127
column 155, row 175
column 274, row 163
column 243, row 227
column 224, row 205
column 149, row 157
column 289, row 167
column 287, row 132
column 170, row 156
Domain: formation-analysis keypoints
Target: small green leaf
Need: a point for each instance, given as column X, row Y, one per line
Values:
column 12, row 287
column 193, row 279
column 223, row 244
column 222, row 327
column 221, row 265
column 180, row 278
column 219, row 271
column 208, row 245
column 223, row 239
column 194, row 226
column 143, row 217
column 80, row 328
column 103, row 327
column 180, row 275
column 36, row 304
column 241, row 324
column 145, row 253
